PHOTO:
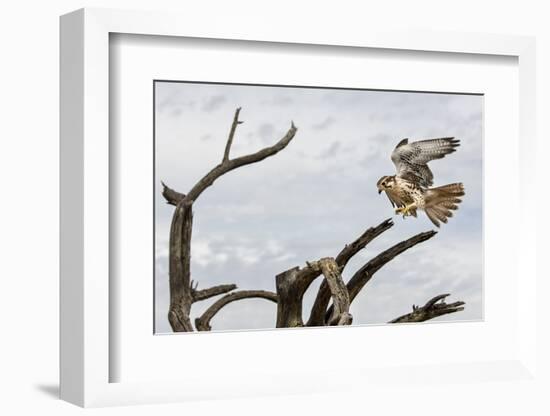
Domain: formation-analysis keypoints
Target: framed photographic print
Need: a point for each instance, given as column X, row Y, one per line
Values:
column 284, row 197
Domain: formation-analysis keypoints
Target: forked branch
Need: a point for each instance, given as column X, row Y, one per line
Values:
column 228, row 165
column 182, row 292
column 293, row 283
column 319, row 313
column 434, row 308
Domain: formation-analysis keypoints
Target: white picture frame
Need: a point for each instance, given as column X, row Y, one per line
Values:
column 85, row 353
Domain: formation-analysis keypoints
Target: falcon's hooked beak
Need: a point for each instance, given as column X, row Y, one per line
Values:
column 380, row 184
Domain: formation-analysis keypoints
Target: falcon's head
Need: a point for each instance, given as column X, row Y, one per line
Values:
column 385, row 183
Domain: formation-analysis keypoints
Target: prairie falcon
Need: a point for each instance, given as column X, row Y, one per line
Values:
column 409, row 190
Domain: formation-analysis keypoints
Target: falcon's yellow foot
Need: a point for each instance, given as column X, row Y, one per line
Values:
column 406, row 210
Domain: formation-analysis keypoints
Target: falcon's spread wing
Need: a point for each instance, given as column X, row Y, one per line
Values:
column 411, row 159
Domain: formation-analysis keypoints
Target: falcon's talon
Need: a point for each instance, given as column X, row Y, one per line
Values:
column 405, row 211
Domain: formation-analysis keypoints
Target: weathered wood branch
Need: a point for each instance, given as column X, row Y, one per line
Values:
column 228, row 165
column 360, row 243
column 340, row 296
column 181, row 297
column 290, row 295
column 319, row 314
column 320, row 304
column 210, row 292
column 365, row 273
column 234, row 125
column 293, row 283
column 172, row 197
column 432, row 309
column 203, row 322
column 182, row 294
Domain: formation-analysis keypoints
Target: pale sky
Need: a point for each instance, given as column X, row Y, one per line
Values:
column 315, row 196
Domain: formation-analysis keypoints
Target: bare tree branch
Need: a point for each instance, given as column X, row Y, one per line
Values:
column 172, row 197
column 365, row 273
column 182, row 294
column 432, row 309
column 203, row 294
column 290, row 292
column 338, row 290
column 230, row 164
column 203, row 323
column 320, row 304
column 231, row 134
column 181, row 297
column 320, row 315
column 293, row 283
column 360, row 243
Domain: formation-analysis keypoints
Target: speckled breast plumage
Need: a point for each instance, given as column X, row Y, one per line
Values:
column 405, row 192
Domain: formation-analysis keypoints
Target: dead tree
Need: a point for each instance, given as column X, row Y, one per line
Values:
column 334, row 297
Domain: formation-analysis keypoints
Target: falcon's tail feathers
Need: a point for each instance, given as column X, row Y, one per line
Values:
column 441, row 201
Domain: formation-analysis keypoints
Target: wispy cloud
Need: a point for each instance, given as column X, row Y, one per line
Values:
column 266, row 132
column 331, row 151
column 328, row 121
column 173, row 104
column 203, row 254
column 278, row 100
column 213, row 103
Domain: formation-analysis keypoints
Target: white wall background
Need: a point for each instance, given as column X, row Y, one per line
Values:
column 29, row 209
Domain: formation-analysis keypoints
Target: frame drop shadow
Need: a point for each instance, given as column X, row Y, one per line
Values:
column 51, row 390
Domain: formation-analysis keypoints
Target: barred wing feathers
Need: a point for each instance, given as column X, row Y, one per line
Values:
column 411, row 159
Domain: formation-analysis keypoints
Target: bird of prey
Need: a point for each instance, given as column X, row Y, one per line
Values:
column 410, row 189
